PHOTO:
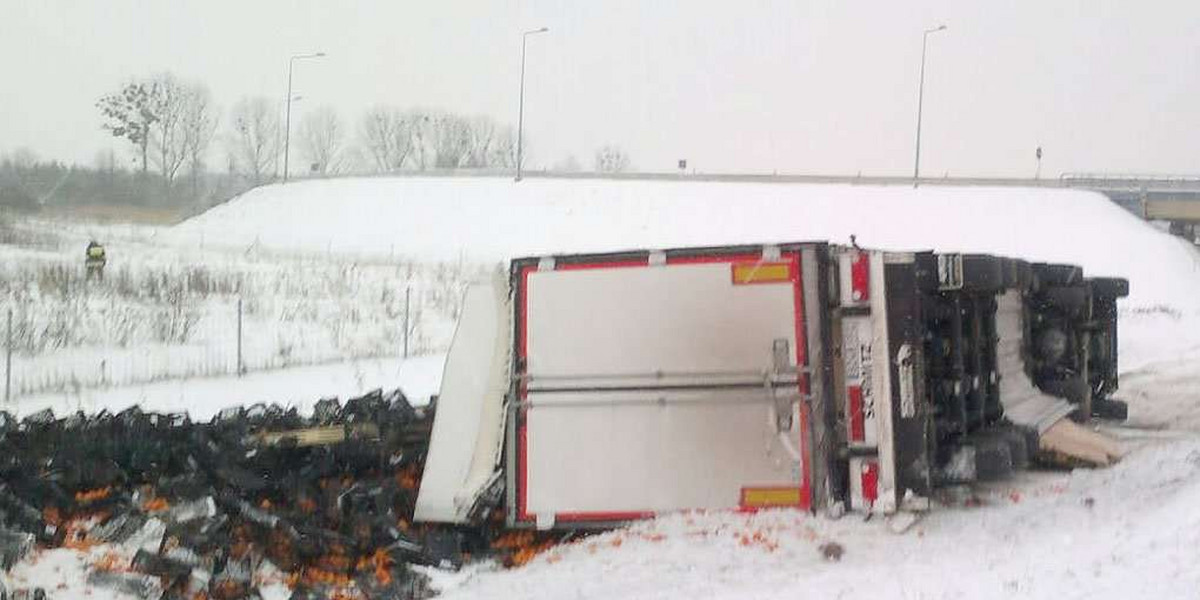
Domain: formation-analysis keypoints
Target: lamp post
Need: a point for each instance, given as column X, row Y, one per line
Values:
column 521, row 105
column 920, row 100
column 287, row 128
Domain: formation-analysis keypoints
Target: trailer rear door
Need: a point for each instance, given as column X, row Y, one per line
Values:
column 658, row 383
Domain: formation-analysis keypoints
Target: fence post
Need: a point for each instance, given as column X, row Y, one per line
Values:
column 407, row 305
column 8, row 344
column 240, row 368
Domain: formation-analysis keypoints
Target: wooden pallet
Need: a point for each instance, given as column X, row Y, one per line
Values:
column 1070, row 444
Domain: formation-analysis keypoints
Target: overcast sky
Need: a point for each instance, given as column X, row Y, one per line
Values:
column 781, row 85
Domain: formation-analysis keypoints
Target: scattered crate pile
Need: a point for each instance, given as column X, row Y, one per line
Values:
column 215, row 510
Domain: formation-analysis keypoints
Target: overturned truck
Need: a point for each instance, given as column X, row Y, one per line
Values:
column 589, row 390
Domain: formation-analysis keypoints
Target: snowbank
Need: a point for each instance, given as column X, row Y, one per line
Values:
column 493, row 219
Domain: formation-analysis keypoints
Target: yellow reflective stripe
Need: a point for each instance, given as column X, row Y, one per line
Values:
column 765, row 497
column 761, row 272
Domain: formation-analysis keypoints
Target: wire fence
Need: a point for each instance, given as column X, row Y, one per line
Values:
column 228, row 337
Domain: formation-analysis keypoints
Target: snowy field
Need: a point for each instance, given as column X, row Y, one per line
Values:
column 1121, row 532
column 166, row 312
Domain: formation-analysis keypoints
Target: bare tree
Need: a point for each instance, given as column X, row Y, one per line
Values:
column 322, row 138
column 611, row 159
column 421, row 139
column 254, row 146
column 168, row 99
column 165, row 119
column 386, row 135
column 198, row 127
column 482, row 132
column 450, row 140
column 130, row 113
column 421, row 124
column 491, row 145
column 503, row 152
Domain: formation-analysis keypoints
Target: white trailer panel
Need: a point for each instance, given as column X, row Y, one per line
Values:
column 465, row 444
column 676, row 319
column 674, row 385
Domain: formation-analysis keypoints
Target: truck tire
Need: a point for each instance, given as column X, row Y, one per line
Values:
column 1107, row 408
column 982, row 273
column 1074, row 301
column 1074, row 389
column 1018, row 446
column 993, row 456
column 1052, row 274
column 1109, row 287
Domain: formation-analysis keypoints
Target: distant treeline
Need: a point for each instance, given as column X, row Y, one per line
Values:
column 182, row 152
column 30, row 185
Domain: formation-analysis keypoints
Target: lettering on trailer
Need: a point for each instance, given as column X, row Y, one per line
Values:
column 860, row 393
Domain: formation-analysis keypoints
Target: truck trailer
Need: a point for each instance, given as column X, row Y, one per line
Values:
column 588, row 390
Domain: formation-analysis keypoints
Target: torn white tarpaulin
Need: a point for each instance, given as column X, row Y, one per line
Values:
column 1024, row 404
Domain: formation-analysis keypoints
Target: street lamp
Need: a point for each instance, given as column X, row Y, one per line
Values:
column 920, row 100
column 287, row 136
column 521, row 106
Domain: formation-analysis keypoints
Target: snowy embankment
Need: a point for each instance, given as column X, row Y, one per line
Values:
column 489, row 220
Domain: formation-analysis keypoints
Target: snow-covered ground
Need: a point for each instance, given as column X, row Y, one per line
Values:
column 170, row 312
column 1127, row 531
column 1122, row 532
column 1116, row 533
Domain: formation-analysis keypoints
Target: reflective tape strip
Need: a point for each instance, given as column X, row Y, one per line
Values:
column 767, row 497
column 745, row 273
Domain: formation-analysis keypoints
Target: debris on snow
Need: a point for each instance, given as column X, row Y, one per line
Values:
column 831, row 551
column 166, row 507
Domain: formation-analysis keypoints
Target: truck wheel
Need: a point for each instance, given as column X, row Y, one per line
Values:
column 1073, row 300
column 1107, row 408
column 993, row 457
column 982, row 273
column 1052, row 275
column 1109, row 287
